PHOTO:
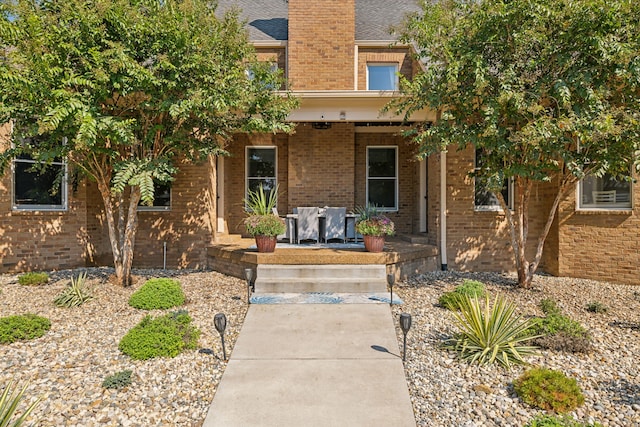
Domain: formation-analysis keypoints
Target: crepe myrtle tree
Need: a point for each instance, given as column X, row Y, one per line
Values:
column 122, row 88
column 546, row 90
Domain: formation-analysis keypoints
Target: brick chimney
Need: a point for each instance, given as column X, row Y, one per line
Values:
column 321, row 44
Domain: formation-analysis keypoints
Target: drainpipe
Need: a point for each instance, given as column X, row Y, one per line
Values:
column 443, row 210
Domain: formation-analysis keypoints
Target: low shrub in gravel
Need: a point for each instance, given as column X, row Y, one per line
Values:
column 472, row 288
column 549, row 390
column 10, row 400
column 164, row 336
column 33, row 279
column 490, row 333
column 118, row 380
column 75, row 294
column 22, row 327
column 558, row 421
column 597, row 307
column 158, row 294
column 559, row 332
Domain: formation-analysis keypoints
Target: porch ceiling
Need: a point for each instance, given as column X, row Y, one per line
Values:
column 349, row 106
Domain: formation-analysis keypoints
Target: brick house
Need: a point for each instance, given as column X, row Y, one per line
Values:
column 341, row 61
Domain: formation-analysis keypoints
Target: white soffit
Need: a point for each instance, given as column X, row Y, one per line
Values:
column 349, row 106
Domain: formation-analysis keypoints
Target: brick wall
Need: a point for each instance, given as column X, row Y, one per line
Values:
column 321, row 50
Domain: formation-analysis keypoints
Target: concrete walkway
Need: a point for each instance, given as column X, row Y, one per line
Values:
column 314, row 365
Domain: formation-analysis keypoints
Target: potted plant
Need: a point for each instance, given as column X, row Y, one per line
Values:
column 373, row 226
column 260, row 221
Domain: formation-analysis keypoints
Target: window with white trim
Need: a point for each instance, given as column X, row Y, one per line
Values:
column 382, row 77
column 161, row 198
column 37, row 186
column 382, row 177
column 485, row 199
column 261, row 169
column 604, row 192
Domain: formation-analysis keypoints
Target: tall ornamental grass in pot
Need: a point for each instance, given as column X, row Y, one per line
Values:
column 260, row 222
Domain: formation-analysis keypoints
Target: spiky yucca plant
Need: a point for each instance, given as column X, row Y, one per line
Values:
column 490, row 333
column 9, row 404
column 77, row 293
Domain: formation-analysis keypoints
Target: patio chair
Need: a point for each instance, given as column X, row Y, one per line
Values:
column 308, row 224
column 335, row 224
column 604, row 196
column 290, row 224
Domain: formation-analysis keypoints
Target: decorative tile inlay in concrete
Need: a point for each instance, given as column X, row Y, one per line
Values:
column 324, row 298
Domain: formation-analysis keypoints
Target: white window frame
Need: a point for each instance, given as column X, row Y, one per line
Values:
column 395, row 208
column 145, row 208
column 395, row 74
column 64, row 206
column 247, row 178
column 492, row 208
column 614, row 206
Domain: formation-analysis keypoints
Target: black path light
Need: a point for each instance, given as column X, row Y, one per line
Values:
column 391, row 278
column 220, row 322
column 405, row 325
column 248, row 275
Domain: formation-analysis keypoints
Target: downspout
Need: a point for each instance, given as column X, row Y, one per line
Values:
column 443, row 210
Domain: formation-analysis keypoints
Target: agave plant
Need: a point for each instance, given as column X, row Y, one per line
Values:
column 9, row 402
column 75, row 294
column 490, row 333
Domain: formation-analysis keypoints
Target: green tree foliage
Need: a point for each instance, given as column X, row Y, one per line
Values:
column 123, row 88
column 547, row 90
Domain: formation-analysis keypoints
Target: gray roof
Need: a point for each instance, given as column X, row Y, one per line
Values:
column 268, row 19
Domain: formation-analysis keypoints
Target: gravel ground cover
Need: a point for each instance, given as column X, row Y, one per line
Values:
column 66, row 367
column 447, row 392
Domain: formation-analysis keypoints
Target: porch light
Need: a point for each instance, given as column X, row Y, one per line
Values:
column 391, row 278
column 405, row 325
column 220, row 322
column 248, row 275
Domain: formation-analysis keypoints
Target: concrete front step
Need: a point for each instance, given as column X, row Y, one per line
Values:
column 273, row 278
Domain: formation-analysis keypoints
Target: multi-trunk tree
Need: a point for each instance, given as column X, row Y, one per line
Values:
column 123, row 88
column 548, row 91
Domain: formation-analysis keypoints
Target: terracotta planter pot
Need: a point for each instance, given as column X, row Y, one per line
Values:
column 266, row 243
column 374, row 243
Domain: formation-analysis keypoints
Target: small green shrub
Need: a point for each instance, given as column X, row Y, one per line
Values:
column 597, row 307
column 472, row 288
column 76, row 294
column 10, row 401
column 490, row 333
column 558, row 421
column 22, row 327
column 549, row 390
column 164, row 336
column 33, row 279
column 158, row 294
column 118, row 380
column 559, row 332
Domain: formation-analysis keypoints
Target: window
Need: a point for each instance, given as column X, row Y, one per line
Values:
column 382, row 76
column 261, row 169
column 273, row 68
column 161, row 198
column 382, row 177
column 604, row 193
column 485, row 199
column 39, row 189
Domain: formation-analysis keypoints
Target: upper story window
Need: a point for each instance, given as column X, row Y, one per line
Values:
column 604, row 193
column 161, row 198
column 485, row 199
column 38, row 188
column 382, row 76
column 261, row 169
column 382, row 177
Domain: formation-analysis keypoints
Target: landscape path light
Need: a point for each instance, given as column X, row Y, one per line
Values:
column 391, row 278
column 405, row 325
column 220, row 322
column 248, row 275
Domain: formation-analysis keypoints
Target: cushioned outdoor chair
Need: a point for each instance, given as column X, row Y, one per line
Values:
column 290, row 230
column 334, row 227
column 308, row 224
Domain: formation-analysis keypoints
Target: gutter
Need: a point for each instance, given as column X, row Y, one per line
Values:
column 443, row 210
